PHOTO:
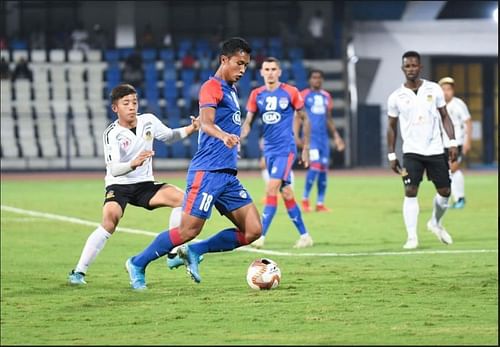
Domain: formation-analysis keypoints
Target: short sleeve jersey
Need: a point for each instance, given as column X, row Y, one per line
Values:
column 419, row 119
column 276, row 109
column 122, row 145
column 459, row 113
column 318, row 104
column 212, row 154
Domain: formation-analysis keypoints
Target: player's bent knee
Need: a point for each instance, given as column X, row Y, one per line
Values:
column 445, row 192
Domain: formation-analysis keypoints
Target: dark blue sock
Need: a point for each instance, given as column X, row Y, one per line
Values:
column 160, row 246
column 310, row 178
column 322, row 181
column 296, row 216
column 225, row 240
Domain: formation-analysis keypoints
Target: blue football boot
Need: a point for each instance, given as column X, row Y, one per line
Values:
column 136, row 274
column 459, row 204
column 190, row 259
column 77, row 278
column 174, row 261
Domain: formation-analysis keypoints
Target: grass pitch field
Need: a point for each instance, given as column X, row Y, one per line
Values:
column 355, row 286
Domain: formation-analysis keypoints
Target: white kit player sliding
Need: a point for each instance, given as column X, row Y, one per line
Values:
column 128, row 151
column 418, row 105
column 460, row 116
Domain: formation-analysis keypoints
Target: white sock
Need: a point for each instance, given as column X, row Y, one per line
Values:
column 95, row 243
column 440, row 206
column 265, row 175
column 175, row 218
column 410, row 216
column 457, row 185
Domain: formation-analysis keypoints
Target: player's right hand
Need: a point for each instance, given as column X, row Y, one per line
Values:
column 395, row 166
column 231, row 140
column 141, row 158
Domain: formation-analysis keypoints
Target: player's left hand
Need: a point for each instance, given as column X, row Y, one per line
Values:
column 195, row 122
column 453, row 154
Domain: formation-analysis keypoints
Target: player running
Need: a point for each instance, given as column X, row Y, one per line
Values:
column 319, row 105
column 418, row 104
column 128, row 152
column 211, row 178
column 279, row 104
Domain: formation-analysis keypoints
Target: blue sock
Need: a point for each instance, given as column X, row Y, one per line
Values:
column 268, row 213
column 310, row 178
column 295, row 215
column 322, row 180
column 224, row 240
column 160, row 246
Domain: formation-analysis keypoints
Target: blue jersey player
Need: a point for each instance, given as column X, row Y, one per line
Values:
column 211, row 178
column 319, row 105
column 279, row 105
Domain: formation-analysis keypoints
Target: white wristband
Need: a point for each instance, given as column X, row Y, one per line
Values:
column 391, row 156
column 453, row 143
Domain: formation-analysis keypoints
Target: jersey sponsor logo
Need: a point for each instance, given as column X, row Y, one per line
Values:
column 318, row 106
column 271, row 117
column 237, row 118
column 243, row 194
column 283, row 102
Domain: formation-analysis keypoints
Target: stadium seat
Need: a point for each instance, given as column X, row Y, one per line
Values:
column 20, row 53
column 38, row 56
column 93, row 55
column 57, row 55
column 5, row 54
column 149, row 55
column 75, row 56
column 8, row 130
column 26, row 130
column 111, row 56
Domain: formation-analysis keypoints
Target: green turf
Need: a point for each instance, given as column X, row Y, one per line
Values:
column 431, row 299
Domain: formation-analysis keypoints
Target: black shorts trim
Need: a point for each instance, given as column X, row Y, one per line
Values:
column 436, row 167
column 137, row 194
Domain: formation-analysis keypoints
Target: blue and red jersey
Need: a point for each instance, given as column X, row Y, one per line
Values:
column 212, row 154
column 276, row 109
column 318, row 103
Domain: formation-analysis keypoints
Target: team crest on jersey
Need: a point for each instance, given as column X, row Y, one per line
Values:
column 243, row 194
column 237, row 118
column 429, row 98
column 148, row 136
column 283, row 102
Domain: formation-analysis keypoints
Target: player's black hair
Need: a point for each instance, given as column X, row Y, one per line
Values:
column 315, row 71
column 271, row 60
column 409, row 54
column 235, row 45
column 120, row 91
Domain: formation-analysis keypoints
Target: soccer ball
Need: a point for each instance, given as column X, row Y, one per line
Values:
column 263, row 274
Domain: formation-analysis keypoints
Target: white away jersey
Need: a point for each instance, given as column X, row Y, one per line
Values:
column 419, row 119
column 459, row 113
column 121, row 145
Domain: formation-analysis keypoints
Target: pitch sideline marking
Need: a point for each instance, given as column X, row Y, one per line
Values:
column 73, row 220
